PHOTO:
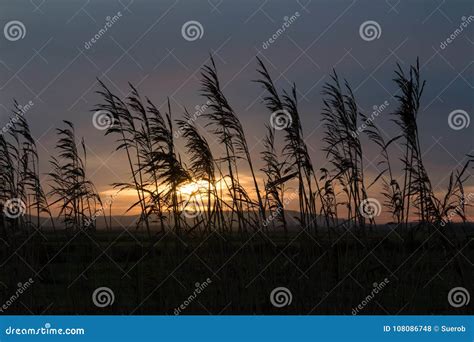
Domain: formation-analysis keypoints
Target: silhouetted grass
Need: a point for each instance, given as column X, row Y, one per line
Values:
column 245, row 239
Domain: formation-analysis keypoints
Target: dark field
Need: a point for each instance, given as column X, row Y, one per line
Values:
column 325, row 276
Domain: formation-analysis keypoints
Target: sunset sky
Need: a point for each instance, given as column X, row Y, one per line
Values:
column 52, row 67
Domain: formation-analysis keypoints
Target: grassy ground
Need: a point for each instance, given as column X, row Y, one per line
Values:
column 325, row 276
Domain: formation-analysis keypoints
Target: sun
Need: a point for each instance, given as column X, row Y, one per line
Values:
column 194, row 188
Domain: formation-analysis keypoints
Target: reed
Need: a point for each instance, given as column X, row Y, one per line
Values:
column 75, row 195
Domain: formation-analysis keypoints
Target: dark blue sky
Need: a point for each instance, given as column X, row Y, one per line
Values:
column 51, row 67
